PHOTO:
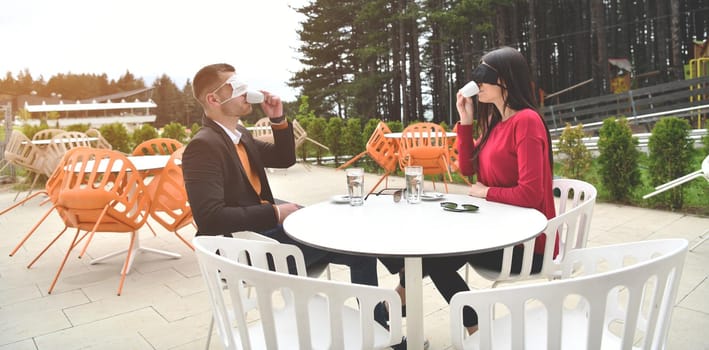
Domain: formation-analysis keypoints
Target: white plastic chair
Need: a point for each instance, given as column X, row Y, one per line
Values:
column 572, row 225
column 314, row 272
column 294, row 310
column 620, row 297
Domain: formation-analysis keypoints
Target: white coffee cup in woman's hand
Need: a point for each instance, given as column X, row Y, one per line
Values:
column 470, row 89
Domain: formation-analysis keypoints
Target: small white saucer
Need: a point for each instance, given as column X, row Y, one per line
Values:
column 340, row 199
column 432, row 196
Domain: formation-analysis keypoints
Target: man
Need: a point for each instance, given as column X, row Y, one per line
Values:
column 224, row 168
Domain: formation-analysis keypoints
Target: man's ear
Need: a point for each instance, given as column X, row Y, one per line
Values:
column 211, row 98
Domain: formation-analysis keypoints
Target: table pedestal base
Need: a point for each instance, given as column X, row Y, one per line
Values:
column 135, row 248
column 414, row 303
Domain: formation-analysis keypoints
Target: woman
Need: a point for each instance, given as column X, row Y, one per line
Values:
column 512, row 159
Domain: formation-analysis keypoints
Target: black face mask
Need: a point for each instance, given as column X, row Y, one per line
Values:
column 485, row 74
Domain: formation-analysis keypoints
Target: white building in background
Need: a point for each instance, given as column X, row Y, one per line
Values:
column 95, row 112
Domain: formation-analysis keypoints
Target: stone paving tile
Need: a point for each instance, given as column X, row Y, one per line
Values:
column 27, row 344
column 120, row 331
column 38, row 316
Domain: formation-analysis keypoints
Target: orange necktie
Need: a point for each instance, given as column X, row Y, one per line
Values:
column 252, row 175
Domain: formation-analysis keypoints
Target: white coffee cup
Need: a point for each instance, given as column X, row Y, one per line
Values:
column 254, row 97
column 470, row 89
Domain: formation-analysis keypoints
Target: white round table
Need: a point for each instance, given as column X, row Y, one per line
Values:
column 381, row 227
column 141, row 163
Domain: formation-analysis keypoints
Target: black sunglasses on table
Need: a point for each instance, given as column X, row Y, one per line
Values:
column 465, row 207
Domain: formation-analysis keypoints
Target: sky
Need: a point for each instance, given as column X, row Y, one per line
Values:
column 150, row 38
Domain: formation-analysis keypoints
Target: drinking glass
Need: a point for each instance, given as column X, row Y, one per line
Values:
column 355, row 185
column 414, row 183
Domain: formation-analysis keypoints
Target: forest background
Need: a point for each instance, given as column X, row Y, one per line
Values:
column 403, row 60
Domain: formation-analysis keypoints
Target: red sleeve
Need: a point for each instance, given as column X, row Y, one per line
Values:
column 465, row 145
column 532, row 165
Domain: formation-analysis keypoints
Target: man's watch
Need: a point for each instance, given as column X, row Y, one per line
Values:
column 277, row 120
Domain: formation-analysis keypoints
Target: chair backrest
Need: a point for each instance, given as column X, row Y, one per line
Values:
column 101, row 142
column 161, row 145
column 262, row 130
column 574, row 230
column 572, row 226
column 102, row 189
column 20, row 151
column 572, row 192
column 424, row 144
column 47, row 134
column 169, row 205
column 299, row 133
column 314, row 271
column 705, row 168
column 295, row 311
column 623, row 307
column 60, row 144
column 383, row 150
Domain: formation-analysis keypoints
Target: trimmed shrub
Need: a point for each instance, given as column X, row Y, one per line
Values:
column 670, row 157
column 78, row 127
column 352, row 137
column 117, row 135
column 577, row 158
column 618, row 159
column 144, row 133
column 175, row 131
column 194, row 128
column 395, row 126
column 333, row 130
column 316, row 131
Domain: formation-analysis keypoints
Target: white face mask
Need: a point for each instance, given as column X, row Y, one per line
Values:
column 239, row 88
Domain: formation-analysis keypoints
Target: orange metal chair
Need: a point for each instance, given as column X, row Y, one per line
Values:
column 383, row 150
column 101, row 191
column 169, row 204
column 52, row 191
column 453, row 152
column 426, row 144
column 160, row 145
column 60, row 142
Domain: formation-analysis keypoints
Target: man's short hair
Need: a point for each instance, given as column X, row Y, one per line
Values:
column 207, row 79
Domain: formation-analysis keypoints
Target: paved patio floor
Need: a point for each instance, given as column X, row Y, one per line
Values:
column 164, row 303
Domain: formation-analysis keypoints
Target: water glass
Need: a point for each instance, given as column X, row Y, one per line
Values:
column 414, row 183
column 355, row 185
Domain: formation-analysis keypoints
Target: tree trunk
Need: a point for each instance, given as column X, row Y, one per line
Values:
column 677, row 66
column 415, row 64
column 402, row 61
column 516, row 38
column 533, row 47
column 500, row 25
column 661, row 40
column 440, row 91
column 601, row 76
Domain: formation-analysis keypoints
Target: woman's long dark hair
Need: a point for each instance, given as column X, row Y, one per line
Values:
column 518, row 90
